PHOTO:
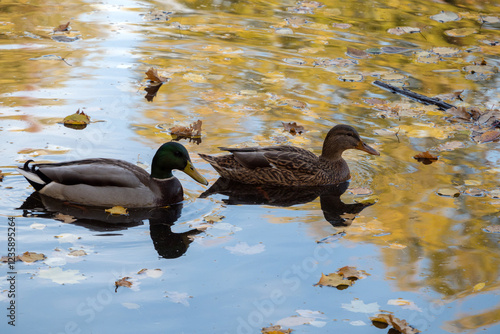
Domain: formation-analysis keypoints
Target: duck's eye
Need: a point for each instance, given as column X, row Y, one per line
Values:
column 178, row 154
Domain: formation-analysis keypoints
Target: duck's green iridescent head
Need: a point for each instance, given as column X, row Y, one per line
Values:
column 173, row 155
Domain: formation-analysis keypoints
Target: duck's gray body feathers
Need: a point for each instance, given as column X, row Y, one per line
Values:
column 102, row 182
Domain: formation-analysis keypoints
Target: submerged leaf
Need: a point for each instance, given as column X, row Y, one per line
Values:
column 193, row 130
column 293, row 128
column 425, row 157
column 357, row 53
column 445, row 17
column 403, row 30
column 460, row 32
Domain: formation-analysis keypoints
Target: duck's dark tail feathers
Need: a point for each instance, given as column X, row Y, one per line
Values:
column 35, row 177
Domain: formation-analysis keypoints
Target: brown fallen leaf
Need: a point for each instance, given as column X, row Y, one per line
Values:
column 425, row 157
column 357, row 53
column 123, row 282
column 153, row 75
column 62, row 27
column 352, row 273
column 293, row 128
column 489, row 136
column 398, row 324
column 142, row 271
column 30, row 257
column 276, row 329
column 194, row 130
column 333, row 280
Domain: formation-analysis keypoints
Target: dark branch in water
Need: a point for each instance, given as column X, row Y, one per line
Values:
column 414, row 96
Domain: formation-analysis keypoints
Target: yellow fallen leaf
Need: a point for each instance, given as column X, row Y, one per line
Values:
column 117, row 210
column 478, row 287
column 397, row 246
column 78, row 118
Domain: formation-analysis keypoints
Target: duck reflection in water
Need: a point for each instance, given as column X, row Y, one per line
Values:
column 167, row 243
column 334, row 210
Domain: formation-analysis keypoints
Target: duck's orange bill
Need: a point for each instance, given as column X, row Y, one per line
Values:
column 363, row 147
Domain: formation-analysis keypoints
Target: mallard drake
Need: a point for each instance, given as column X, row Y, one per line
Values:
column 291, row 166
column 111, row 182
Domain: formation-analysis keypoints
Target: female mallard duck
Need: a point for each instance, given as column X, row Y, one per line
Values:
column 289, row 165
column 110, row 182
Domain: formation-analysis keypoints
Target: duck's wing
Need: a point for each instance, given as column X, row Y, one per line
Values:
column 282, row 157
column 92, row 172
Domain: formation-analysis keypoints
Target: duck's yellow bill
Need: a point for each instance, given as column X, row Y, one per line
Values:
column 191, row 171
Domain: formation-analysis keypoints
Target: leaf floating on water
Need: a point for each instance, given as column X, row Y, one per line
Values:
column 117, row 210
column 333, row 280
column 403, row 30
column 30, row 257
column 62, row 27
column 276, row 329
column 352, row 273
column 193, row 130
column 78, row 120
column 448, row 192
column 489, row 136
column 398, row 324
column 213, row 218
column 153, row 76
column 123, row 282
column 425, row 157
column 293, row 128
column 357, row 53
column 478, row 287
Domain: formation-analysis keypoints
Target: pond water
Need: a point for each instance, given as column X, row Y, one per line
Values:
column 237, row 262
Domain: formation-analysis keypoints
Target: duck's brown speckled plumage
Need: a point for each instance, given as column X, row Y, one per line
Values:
column 289, row 165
